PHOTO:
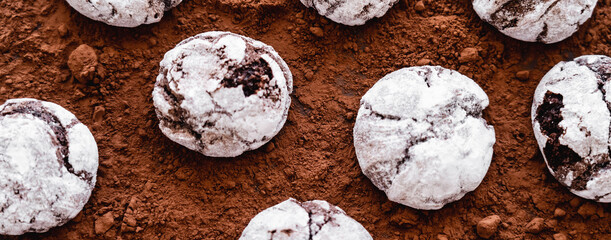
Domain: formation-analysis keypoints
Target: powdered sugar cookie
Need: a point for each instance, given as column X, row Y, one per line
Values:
column 571, row 119
column 536, row 20
column 420, row 136
column 350, row 12
column 317, row 220
column 221, row 94
column 124, row 13
column 48, row 166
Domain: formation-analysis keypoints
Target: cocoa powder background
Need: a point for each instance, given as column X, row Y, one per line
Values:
column 151, row 188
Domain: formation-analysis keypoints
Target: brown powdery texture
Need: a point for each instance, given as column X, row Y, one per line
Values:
column 151, row 188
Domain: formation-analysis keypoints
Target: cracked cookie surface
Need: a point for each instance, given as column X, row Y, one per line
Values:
column 48, row 166
column 124, row 13
column 571, row 116
column 222, row 94
column 350, row 12
column 315, row 220
column 547, row 21
column 420, row 137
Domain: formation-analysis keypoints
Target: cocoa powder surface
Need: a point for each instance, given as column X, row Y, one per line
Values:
column 152, row 188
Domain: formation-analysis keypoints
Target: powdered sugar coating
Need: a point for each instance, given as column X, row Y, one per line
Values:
column 48, row 166
column 221, row 94
column 420, row 137
column 124, row 13
column 571, row 116
column 316, row 220
column 350, row 13
column 547, row 21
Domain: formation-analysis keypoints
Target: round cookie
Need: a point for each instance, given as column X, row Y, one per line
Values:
column 420, row 137
column 536, row 20
column 48, row 166
column 316, row 220
column 124, row 13
column 221, row 94
column 350, row 13
column 571, row 118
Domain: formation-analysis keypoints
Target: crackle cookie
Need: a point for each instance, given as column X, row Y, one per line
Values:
column 124, row 13
column 350, row 13
column 317, row 220
column 420, row 136
column 221, row 94
column 571, row 118
column 547, row 21
column 48, row 166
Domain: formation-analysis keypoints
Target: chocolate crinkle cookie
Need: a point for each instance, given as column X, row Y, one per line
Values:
column 124, row 13
column 312, row 220
column 221, row 94
column 420, row 136
column 351, row 13
column 48, row 166
column 571, row 116
column 547, row 21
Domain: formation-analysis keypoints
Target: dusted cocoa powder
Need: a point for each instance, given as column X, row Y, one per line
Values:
column 151, row 188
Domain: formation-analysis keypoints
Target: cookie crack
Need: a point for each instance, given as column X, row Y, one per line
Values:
column 386, row 180
column 37, row 110
column 332, row 8
column 271, row 237
column 543, row 34
column 603, row 73
column 561, row 158
column 519, row 7
column 598, row 198
column 368, row 106
column 313, row 209
column 549, row 8
column 426, row 73
column 366, row 9
column 174, row 99
column 309, row 224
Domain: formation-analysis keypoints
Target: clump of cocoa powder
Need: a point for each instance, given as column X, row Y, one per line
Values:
column 83, row 62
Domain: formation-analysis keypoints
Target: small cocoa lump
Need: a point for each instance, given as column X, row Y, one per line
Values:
column 535, row 226
column 83, row 62
column 488, row 226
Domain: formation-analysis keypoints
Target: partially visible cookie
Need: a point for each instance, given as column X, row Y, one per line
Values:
column 316, row 220
column 48, row 166
column 222, row 94
column 571, row 116
column 124, row 13
column 420, row 136
column 350, row 13
column 536, row 20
